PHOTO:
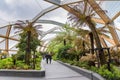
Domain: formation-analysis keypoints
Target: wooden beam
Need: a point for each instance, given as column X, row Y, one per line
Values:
column 99, row 11
column 116, row 16
column 103, row 41
column 13, row 50
column 71, row 10
column 108, row 39
column 98, row 20
column 105, row 18
column 8, row 37
column 9, row 50
column 7, row 40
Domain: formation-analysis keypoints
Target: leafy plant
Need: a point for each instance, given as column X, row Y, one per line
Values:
column 62, row 53
column 114, row 74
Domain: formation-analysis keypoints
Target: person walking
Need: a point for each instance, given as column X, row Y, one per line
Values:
column 48, row 58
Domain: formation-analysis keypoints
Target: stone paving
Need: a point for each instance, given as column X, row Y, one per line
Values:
column 54, row 71
column 57, row 71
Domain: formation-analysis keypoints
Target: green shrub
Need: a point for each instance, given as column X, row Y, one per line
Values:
column 62, row 52
column 6, row 63
column 20, row 55
column 37, row 67
column 25, row 67
column 114, row 74
column 106, row 74
column 82, row 64
column 20, row 65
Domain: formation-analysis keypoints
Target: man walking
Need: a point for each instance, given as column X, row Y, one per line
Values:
column 48, row 58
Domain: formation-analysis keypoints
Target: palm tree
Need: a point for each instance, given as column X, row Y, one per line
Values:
column 83, row 34
column 30, row 30
column 85, row 19
column 66, row 35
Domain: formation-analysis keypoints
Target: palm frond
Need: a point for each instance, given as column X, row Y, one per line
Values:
column 85, row 6
column 106, row 35
column 18, row 31
column 38, row 27
column 18, row 26
column 103, row 30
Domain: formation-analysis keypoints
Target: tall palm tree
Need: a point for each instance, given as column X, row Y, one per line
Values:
column 84, row 33
column 31, row 30
column 85, row 19
column 82, row 39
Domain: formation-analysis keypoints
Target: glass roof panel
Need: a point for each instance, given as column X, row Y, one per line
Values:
column 16, row 37
column 22, row 10
column 108, row 44
column 3, row 31
column 2, row 39
column 2, row 45
column 111, row 7
column 14, row 48
column 12, row 43
column 12, row 32
column 117, row 25
column 59, row 15
column 12, row 52
column 117, row 22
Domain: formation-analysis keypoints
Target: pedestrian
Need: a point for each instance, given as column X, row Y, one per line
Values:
column 48, row 58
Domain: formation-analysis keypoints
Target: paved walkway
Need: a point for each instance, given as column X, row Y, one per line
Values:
column 57, row 71
column 54, row 71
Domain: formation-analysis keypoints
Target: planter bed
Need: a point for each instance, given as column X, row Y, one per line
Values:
column 23, row 73
column 89, row 74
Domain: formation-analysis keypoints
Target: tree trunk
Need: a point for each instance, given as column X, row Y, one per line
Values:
column 64, row 42
column 83, row 44
column 97, row 40
column 77, row 57
column 34, row 57
column 92, row 42
column 28, row 51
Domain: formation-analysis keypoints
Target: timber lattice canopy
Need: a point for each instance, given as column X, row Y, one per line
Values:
column 108, row 15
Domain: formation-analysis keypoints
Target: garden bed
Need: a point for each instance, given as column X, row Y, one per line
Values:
column 23, row 73
column 20, row 69
column 90, row 74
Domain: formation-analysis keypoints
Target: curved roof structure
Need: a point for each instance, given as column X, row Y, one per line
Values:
column 53, row 14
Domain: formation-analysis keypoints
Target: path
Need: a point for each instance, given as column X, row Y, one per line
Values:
column 54, row 71
column 57, row 71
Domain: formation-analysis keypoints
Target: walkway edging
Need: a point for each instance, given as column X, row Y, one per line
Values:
column 89, row 74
